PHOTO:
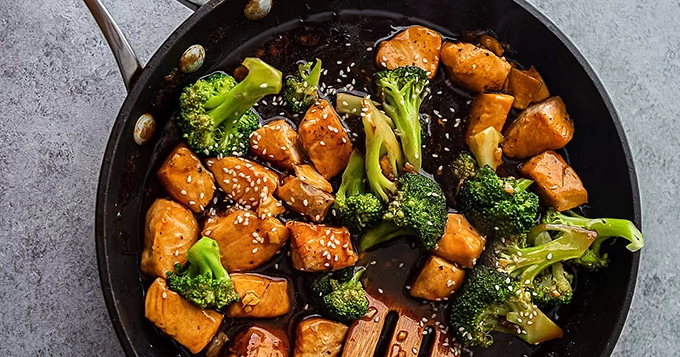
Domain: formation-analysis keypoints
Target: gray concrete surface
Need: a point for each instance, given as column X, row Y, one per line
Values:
column 61, row 91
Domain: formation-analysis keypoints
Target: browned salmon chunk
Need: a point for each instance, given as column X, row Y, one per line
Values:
column 460, row 243
column 319, row 337
column 256, row 341
column 543, row 93
column 416, row 46
column 246, row 241
column 488, row 109
column 178, row 318
column 317, row 247
column 324, row 139
column 309, row 175
column 305, row 199
column 437, row 280
column 523, row 87
column 261, row 296
column 542, row 126
column 248, row 183
column 169, row 231
column 556, row 182
column 186, row 180
column 277, row 142
column 474, row 68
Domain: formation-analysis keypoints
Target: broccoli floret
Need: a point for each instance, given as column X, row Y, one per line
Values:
column 341, row 299
column 302, row 90
column 380, row 141
column 606, row 228
column 464, row 167
column 402, row 91
column 498, row 206
column 528, row 262
column 485, row 145
column 204, row 282
column 215, row 114
column 354, row 207
column 418, row 209
column 494, row 301
column 553, row 288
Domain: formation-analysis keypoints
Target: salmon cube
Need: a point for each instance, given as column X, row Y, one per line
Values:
column 261, row 296
column 556, row 182
column 475, row 68
column 186, row 180
column 317, row 247
column 416, row 46
column 178, row 318
column 488, row 109
column 169, row 231
column 437, row 280
column 460, row 243
column 542, row 126
column 319, row 337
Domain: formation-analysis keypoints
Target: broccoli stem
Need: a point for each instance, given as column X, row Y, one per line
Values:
column 262, row 80
column 380, row 140
column 561, row 280
column 529, row 262
column 522, row 184
column 381, row 233
column 314, row 76
column 353, row 177
column 606, row 228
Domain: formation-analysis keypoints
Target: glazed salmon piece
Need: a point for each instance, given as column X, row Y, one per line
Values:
column 248, row 183
column 555, row 181
column 169, row 231
column 277, row 142
column 437, row 280
column 305, row 199
column 474, row 68
column 257, row 341
column 186, row 180
column 188, row 324
column 261, row 296
column 460, row 244
column 488, row 109
column 246, row 241
column 542, row 126
column 319, row 337
column 416, row 46
column 324, row 139
column 524, row 87
column 318, row 247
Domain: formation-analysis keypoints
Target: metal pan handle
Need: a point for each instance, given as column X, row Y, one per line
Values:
column 128, row 62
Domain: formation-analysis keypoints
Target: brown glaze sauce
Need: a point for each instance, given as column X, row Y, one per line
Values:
column 350, row 47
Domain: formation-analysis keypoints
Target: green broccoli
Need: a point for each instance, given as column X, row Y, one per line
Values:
column 418, row 209
column 204, row 282
column 494, row 301
column 354, row 207
column 403, row 91
column 605, row 227
column 464, row 167
column 553, row 288
column 215, row 115
column 302, row 90
column 526, row 263
column 341, row 299
column 498, row 206
column 380, row 141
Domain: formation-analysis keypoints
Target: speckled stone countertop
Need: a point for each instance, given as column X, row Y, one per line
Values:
column 61, row 91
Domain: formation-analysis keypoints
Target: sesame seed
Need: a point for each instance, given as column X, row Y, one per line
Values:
column 380, row 291
column 183, row 192
column 188, row 178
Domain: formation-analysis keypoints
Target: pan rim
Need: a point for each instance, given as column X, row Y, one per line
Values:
column 123, row 115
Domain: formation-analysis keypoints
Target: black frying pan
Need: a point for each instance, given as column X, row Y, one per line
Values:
column 598, row 152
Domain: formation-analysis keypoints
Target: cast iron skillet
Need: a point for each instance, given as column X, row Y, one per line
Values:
column 598, row 152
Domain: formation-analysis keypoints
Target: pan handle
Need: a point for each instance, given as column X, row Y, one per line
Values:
column 128, row 62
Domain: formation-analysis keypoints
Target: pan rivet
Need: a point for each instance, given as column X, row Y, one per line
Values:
column 257, row 9
column 192, row 59
column 144, row 129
